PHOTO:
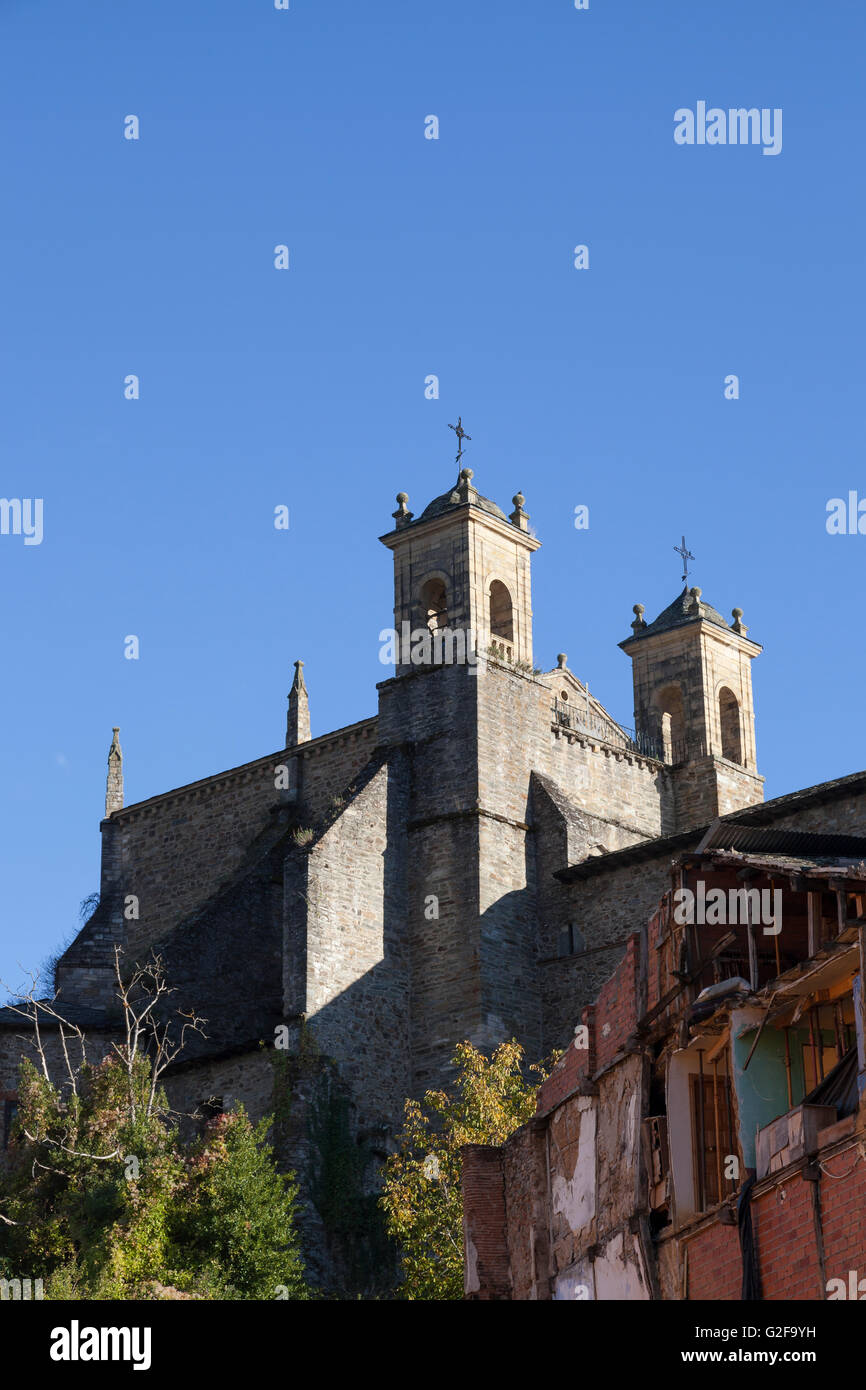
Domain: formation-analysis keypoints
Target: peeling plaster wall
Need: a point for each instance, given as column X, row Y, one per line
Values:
column 618, row 1142
column 617, row 1273
column 619, row 1270
column 669, row 1268
column 593, row 1153
column 572, row 1162
column 574, row 1285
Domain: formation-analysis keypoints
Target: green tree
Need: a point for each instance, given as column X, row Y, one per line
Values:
column 490, row 1098
column 239, row 1221
column 102, row 1199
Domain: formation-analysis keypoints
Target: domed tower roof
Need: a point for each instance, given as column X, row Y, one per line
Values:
column 461, row 495
column 687, row 607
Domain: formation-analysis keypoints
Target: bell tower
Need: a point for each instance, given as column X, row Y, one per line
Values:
column 462, row 566
column 693, row 704
column 458, row 714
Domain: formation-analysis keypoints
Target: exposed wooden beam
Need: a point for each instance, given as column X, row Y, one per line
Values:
column 814, row 907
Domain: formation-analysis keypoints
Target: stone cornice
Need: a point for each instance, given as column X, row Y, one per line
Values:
column 699, row 627
column 445, row 522
column 247, row 772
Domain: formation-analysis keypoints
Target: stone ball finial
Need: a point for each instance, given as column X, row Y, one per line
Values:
column 639, row 620
column 519, row 517
column 696, row 593
column 402, row 497
column 638, row 610
column 738, row 625
column 466, row 474
column 561, row 660
column 402, row 516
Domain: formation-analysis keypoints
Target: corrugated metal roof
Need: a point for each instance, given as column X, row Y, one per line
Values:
column 826, row 867
column 762, row 812
column 802, row 844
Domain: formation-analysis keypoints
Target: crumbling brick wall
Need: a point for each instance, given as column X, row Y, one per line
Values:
column 524, row 1171
column 487, row 1273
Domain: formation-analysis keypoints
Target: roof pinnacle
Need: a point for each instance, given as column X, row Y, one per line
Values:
column 114, row 781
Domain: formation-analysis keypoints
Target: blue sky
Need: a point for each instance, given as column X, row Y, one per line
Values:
column 305, row 387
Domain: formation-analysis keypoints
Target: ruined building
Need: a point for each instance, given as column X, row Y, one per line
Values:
column 704, row 1135
column 466, row 863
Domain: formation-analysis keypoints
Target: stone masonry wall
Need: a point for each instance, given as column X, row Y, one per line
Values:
column 446, row 1005
column 357, row 964
column 606, row 908
column 178, row 848
column 708, row 787
column 245, row 1078
column 432, row 713
column 511, row 1002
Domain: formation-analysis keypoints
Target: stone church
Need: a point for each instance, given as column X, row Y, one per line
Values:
column 465, row 863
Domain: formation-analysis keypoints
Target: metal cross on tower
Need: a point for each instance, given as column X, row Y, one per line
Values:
column 686, row 556
column 461, row 435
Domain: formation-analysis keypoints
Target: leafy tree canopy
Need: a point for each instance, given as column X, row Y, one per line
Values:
column 101, row 1198
column 490, row 1098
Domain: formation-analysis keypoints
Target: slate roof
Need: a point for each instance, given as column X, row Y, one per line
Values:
column 81, row 1015
column 452, row 499
column 680, row 612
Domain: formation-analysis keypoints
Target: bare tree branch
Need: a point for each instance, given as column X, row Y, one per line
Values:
column 147, row 1031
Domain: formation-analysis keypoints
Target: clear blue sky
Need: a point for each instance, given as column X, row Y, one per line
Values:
column 408, row 257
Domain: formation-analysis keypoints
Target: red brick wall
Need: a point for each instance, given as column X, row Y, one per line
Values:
column 525, row 1173
column 715, row 1267
column 785, row 1238
column 571, row 1069
column 784, row 1229
column 616, row 1006
column 843, row 1208
column 611, row 1020
column 485, row 1228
